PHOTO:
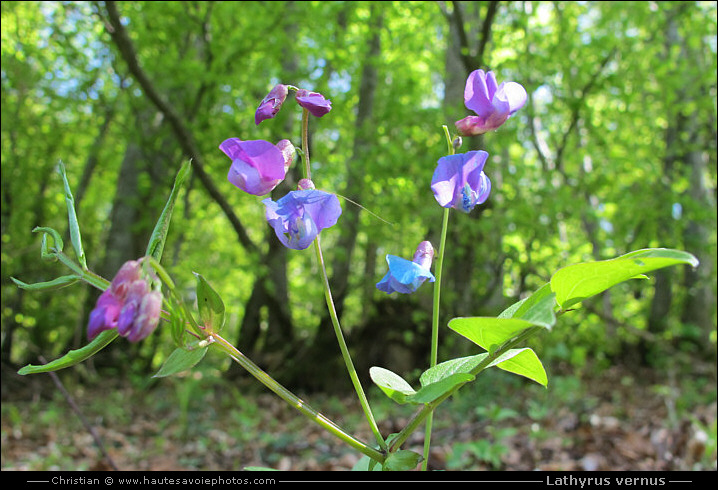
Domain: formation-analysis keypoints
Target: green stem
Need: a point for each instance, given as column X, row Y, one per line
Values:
column 305, row 144
column 428, row 408
column 293, row 400
column 330, row 302
column 436, row 307
column 435, row 328
column 345, row 351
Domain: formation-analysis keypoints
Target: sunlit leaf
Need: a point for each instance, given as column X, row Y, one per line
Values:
column 575, row 283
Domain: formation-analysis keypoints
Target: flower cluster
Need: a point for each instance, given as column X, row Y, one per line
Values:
column 459, row 181
column 258, row 166
column 129, row 305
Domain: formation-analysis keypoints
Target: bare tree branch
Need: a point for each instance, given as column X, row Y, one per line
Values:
column 183, row 134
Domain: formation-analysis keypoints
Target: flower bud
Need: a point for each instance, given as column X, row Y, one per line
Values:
column 305, row 184
column 271, row 104
column 288, row 150
column 424, row 254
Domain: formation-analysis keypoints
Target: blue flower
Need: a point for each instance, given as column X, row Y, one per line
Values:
column 406, row 276
column 298, row 217
column 459, row 181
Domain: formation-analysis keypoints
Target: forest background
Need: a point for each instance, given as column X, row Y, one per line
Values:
column 614, row 151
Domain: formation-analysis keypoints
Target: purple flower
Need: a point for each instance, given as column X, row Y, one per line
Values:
column 406, row 276
column 493, row 104
column 258, row 166
column 313, row 102
column 271, row 104
column 459, row 181
column 128, row 305
column 298, row 217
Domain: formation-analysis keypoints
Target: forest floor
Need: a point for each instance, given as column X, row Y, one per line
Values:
column 619, row 420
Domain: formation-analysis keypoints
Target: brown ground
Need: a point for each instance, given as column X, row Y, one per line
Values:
column 619, row 423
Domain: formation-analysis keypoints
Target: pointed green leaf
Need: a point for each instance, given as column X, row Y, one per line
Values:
column 156, row 244
column 448, row 368
column 578, row 282
column 74, row 356
column 537, row 308
column 209, row 304
column 523, row 362
column 393, row 385
column 180, row 360
column 57, row 283
column 432, row 391
column 75, row 237
column 489, row 332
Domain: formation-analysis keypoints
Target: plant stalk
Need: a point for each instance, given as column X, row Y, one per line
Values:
column 293, row 400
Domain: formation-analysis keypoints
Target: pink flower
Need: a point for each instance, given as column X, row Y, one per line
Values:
column 127, row 305
column 493, row 104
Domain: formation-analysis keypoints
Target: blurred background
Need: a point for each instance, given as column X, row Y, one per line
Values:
column 614, row 151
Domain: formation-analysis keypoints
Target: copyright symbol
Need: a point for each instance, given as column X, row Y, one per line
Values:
column 108, row 480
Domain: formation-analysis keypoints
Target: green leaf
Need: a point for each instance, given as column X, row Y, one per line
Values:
column 393, row 385
column 402, row 460
column 537, row 308
column 523, row 362
column 490, row 332
column 434, row 390
column 57, row 283
column 180, row 360
column 259, row 468
column 461, row 365
column 156, row 244
column 575, row 283
column 209, row 304
column 75, row 237
column 74, row 356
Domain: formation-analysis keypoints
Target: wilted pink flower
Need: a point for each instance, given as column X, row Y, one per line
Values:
column 271, row 104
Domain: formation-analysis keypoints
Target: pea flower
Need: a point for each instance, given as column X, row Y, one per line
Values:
column 459, row 180
column 129, row 305
column 298, row 217
column 406, row 276
column 271, row 104
column 258, row 166
column 493, row 104
column 314, row 102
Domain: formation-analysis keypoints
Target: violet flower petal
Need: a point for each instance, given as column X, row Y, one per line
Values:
column 314, row 102
column 300, row 216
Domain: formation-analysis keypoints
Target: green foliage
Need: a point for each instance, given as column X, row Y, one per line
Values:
column 576, row 283
column 181, row 359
